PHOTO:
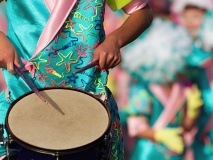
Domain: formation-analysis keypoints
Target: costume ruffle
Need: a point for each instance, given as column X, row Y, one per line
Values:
column 159, row 54
column 179, row 5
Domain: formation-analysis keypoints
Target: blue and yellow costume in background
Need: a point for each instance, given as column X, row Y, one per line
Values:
column 153, row 60
column 71, row 49
column 203, row 150
column 143, row 103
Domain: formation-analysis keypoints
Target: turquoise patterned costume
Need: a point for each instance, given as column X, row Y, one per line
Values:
column 143, row 103
column 71, row 49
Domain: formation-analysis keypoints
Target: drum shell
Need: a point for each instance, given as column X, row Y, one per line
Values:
column 89, row 150
column 21, row 153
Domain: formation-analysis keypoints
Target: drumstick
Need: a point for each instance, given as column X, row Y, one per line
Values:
column 34, row 89
column 86, row 67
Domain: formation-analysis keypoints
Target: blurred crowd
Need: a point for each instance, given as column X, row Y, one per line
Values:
column 164, row 85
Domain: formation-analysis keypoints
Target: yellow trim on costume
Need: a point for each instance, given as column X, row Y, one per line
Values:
column 117, row 4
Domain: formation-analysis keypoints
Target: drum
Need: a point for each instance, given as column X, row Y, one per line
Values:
column 74, row 125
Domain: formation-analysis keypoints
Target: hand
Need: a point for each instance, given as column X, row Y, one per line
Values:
column 194, row 101
column 171, row 138
column 8, row 54
column 108, row 53
column 136, row 125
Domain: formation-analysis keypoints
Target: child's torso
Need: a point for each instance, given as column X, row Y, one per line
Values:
column 71, row 49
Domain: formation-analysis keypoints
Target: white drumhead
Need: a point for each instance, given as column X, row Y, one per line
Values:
column 76, row 119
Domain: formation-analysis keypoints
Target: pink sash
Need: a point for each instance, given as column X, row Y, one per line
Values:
column 50, row 4
column 59, row 12
column 172, row 103
column 208, row 127
column 2, row 157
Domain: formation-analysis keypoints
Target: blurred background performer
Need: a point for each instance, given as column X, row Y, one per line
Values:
column 161, row 94
column 197, row 17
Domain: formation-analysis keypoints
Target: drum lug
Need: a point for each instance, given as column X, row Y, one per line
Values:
column 7, row 96
column 9, row 143
column 57, row 156
column 105, row 149
column 9, row 139
column 1, row 134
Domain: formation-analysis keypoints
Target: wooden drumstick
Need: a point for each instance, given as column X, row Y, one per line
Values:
column 93, row 64
column 34, row 89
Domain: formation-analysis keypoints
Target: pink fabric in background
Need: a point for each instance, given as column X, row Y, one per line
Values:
column 2, row 157
column 136, row 125
column 3, row 18
column 134, row 5
column 2, row 83
column 3, row 28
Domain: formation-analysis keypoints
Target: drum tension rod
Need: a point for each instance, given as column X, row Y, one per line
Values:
column 1, row 134
column 57, row 156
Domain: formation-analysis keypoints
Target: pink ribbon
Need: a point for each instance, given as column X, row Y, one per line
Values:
column 135, row 5
column 209, row 73
column 160, row 92
column 208, row 62
column 28, row 66
column 59, row 13
column 189, row 139
column 136, row 125
column 173, row 104
column 50, row 4
column 2, row 157
column 208, row 127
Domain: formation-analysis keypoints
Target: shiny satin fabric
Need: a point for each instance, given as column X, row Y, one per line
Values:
column 71, row 49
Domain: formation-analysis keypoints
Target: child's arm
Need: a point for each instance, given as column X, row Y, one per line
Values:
column 170, row 137
column 8, row 54
column 108, row 53
column 194, row 104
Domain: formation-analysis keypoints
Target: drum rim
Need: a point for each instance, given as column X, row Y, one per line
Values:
column 57, row 152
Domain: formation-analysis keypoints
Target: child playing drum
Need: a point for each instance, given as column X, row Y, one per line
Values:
column 52, row 39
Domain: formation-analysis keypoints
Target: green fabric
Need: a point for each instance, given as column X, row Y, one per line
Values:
column 117, row 4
